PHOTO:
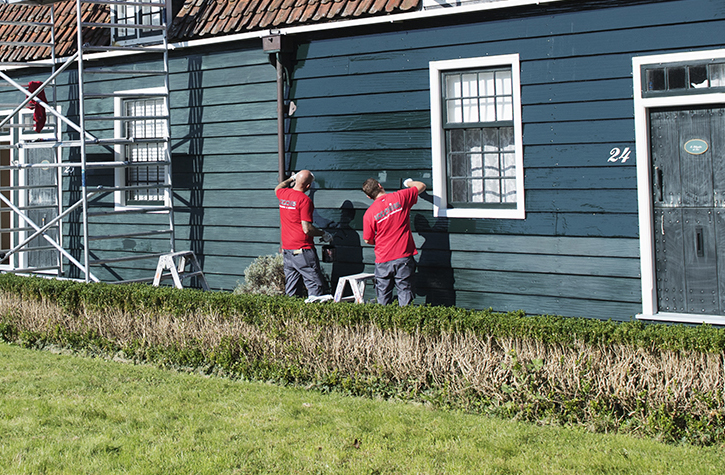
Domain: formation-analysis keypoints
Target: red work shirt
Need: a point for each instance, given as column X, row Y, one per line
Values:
column 295, row 207
column 387, row 224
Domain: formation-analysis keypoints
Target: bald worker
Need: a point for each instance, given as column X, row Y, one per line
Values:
column 301, row 264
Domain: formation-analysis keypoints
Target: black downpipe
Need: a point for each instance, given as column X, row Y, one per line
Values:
column 280, row 121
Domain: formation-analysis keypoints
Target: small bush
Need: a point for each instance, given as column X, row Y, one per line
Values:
column 263, row 276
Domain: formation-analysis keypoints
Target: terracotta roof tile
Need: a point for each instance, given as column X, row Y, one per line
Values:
column 196, row 19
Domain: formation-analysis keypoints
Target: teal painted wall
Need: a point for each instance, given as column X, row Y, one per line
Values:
column 363, row 103
column 363, row 110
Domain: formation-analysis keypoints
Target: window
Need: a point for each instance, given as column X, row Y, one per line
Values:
column 476, row 138
column 693, row 78
column 145, row 153
column 134, row 16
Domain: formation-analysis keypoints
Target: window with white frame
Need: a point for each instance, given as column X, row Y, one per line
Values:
column 476, row 138
column 146, row 173
column 141, row 20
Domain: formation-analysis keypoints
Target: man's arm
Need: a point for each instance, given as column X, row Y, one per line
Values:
column 419, row 185
column 284, row 184
column 311, row 230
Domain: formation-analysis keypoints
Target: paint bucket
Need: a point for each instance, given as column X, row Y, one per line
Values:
column 329, row 253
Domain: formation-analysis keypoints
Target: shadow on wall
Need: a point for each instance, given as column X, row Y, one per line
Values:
column 434, row 276
column 348, row 247
column 188, row 168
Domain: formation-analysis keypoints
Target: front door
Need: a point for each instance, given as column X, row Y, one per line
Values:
column 41, row 203
column 688, row 192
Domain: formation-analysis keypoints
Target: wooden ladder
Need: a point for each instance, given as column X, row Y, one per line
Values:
column 357, row 284
column 175, row 264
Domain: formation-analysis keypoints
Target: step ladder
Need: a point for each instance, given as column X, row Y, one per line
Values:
column 357, row 284
column 179, row 266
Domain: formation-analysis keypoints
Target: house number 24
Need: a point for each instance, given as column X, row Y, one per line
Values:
column 617, row 154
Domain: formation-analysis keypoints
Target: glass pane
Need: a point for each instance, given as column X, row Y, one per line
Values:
column 477, row 191
column 453, row 86
column 470, row 110
column 698, row 77
column 489, row 139
column 676, row 78
column 492, row 167
column 508, row 164
column 468, row 86
column 505, row 108
column 476, row 163
column 508, row 191
column 473, row 140
column 493, row 191
column 506, row 139
column 459, row 165
column 488, row 109
column 455, row 140
column 717, row 75
column 486, row 84
column 454, row 111
column 655, row 79
column 459, row 191
column 504, row 83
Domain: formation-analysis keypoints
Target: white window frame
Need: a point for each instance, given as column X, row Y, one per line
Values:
column 120, row 149
column 642, row 105
column 440, row 184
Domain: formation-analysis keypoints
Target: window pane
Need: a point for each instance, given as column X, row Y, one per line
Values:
column 717, row 75
column 488, row 109
column 454, row 111
column 676, row 78
column 503, row 83
column 698, row 77
column 486, row 84
column 470, row 110
column 453, row 86
column 655, row 79
column 505, row 108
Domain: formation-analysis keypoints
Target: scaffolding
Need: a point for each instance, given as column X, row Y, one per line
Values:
column 76, row 190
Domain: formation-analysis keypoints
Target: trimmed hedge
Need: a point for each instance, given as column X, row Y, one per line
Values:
column 537, row 368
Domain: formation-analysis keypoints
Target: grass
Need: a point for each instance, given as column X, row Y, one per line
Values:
column 65, row 414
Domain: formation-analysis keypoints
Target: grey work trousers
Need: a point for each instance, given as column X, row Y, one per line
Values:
column 302, row 266
column 398, row 273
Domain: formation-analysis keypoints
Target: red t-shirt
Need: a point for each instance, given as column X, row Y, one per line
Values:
column 295, row 207
column 387, row 223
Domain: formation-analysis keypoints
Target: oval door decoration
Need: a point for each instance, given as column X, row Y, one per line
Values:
column 696, row 146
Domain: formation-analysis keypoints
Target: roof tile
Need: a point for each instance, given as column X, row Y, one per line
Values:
column 196, row 19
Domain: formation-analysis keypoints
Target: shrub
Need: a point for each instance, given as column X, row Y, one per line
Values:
column 265, row 275
column 664, row 381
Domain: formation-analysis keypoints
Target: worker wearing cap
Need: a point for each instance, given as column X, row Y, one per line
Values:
column 301, row 264
column 386, row 225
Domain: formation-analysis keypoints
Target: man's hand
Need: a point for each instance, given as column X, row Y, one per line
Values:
column 326, row 237
column 410, row 183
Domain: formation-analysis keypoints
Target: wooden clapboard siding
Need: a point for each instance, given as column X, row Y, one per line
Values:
column 363, row 109
column 361, row 103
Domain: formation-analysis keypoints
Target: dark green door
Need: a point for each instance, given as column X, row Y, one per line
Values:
column 688, row 192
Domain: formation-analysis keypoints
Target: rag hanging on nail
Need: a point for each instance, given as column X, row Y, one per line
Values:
column 38, row 110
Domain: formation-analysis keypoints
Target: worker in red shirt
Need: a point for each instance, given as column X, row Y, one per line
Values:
column 301, row 263
column 386, row 225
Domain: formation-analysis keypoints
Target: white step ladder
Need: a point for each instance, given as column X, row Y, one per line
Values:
column 357, row 284
column 176, row 264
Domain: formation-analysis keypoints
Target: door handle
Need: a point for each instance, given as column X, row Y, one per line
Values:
column 658, row 183
column 699, row 242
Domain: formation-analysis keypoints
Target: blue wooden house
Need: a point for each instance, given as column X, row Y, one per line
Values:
column 573, row 150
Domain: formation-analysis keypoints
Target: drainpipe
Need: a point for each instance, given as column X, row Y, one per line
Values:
column 280, row 121
column 272, row 44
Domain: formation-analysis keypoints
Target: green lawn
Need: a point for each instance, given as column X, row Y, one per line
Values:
column 62, row 414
